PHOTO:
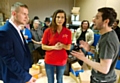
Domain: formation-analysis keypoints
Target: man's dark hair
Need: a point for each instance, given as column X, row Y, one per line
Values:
column 47, row 19
column 85, row 21
column 108, row 13
column 36, row 18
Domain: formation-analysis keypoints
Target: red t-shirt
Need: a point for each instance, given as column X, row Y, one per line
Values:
column 56, row 57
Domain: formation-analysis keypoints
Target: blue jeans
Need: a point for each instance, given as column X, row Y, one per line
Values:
column 50, row 73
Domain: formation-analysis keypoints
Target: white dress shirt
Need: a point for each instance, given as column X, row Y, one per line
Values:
column 17, row 28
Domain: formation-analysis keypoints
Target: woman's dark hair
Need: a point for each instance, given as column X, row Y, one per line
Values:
column 108, row 13
column 85, row 21
column 53, row 23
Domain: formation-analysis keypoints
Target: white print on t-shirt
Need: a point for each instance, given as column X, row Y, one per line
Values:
column 97, row 48
column 65, row 35
column 96, row 52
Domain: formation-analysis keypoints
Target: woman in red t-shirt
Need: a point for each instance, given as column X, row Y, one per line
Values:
column 56, row 40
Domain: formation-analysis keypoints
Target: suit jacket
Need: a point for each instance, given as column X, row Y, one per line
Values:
column 15, row 58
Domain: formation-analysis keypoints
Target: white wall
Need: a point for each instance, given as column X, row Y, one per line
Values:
column 45, row 8
column 89, row 7
column 116, row 5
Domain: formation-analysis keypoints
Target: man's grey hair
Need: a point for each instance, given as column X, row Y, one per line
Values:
column 16, row 6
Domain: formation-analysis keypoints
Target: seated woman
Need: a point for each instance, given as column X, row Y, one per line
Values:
column 83, row 33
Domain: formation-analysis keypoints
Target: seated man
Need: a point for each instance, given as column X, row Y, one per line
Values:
column 83, row 33
column 37, row 34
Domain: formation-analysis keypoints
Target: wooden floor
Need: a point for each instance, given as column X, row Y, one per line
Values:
column 66, row 79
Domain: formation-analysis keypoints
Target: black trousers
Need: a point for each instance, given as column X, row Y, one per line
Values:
column 98, row 81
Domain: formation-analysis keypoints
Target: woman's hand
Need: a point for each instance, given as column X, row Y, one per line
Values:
column 58, row 46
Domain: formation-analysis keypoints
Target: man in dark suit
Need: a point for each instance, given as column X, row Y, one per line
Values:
column 15, row 58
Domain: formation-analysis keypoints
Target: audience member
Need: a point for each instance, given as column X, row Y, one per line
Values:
column 35, row 18
column 56, row 40
column 37, row 34
column 83, row 33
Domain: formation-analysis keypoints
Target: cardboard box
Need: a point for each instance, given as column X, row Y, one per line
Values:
column 41, row 63
column 36, row 67
column 42, row 66
column 40, row 75
column 34, row 71
column 118, row 75
column 85, row 76
column 43, row 71
column 36, row 76
column 75, row 10
column 76, row 66
column 119, row 79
